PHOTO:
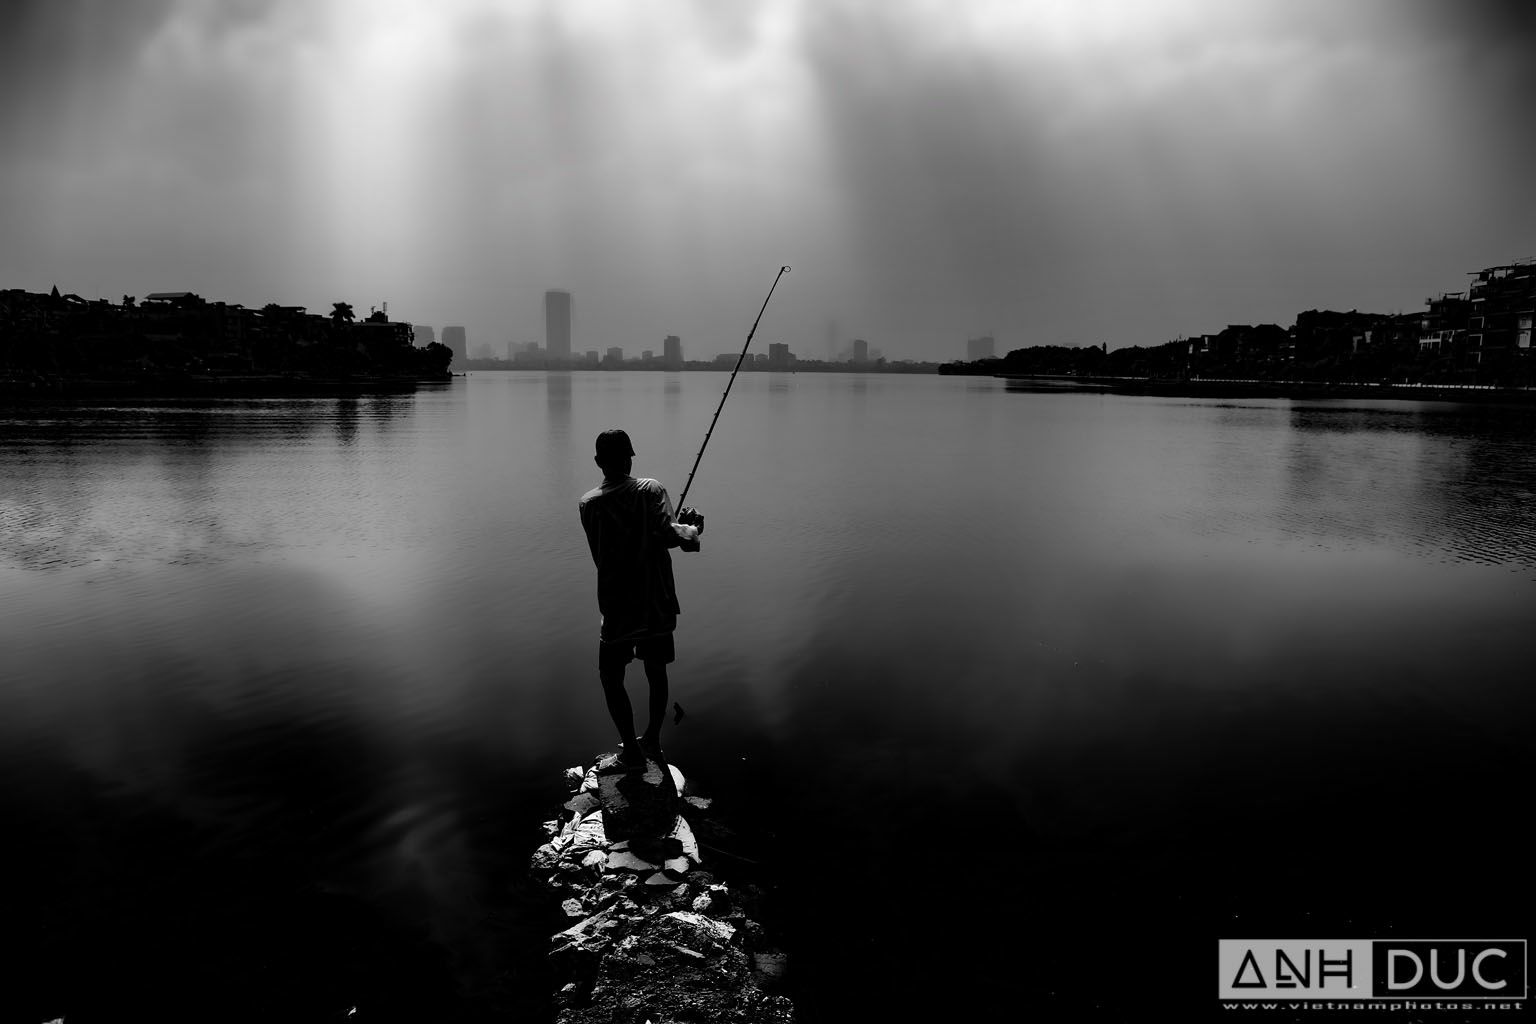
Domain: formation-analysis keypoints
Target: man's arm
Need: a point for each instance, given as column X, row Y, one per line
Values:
column 665, row 526
column 586, row 527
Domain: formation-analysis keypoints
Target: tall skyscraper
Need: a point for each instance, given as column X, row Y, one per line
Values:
column 422, row 335
column 860, row 350
column 779, row 356
column 557, row 326
column 454, row 338
column 672, row 352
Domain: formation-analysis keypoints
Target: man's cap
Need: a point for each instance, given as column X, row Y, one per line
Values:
column 613, row 443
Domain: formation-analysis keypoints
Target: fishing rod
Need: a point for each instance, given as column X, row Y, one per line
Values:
column 682, row 502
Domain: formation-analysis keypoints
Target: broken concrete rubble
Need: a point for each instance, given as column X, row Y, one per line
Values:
column 658, row 937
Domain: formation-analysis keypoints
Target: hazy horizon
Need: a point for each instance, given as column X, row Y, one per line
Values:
column 1048, row 173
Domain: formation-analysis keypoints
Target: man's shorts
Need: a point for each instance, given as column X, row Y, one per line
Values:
column 621, row 652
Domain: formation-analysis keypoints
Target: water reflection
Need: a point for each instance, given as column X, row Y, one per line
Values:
column 289, row 678
column 1406, row 476
column 557, row 390
column 345, row 420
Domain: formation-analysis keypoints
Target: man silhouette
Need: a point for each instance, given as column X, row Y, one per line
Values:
column 630, row 526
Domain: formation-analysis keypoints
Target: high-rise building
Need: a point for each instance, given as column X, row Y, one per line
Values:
column 860, row 350
column 557, row 325
column 422, row 335
column 980, row 348
column 1501, row 308
column 672, row 352
column 614, row 357
column 454, row 338
column 779, row 356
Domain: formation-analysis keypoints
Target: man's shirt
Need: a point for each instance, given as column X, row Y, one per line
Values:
column 629, row 529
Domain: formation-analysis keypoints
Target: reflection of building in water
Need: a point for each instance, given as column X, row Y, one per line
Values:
column 557, row 325
column 672, row 352
column 454, row 338
column 557, row 389
column 1502, row 302
column 983, row 347
column 422, row 335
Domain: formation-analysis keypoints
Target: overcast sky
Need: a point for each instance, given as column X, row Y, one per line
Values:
column 1046, row 172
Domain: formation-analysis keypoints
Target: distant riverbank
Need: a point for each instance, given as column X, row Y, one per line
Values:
column 47, row 388
column 1237, row 388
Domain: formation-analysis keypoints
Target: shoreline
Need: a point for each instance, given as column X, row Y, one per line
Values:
column 1239, row 388
column 209, row 387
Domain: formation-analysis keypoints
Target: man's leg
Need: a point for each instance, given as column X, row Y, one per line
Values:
column 656, row 675
column 612, row 675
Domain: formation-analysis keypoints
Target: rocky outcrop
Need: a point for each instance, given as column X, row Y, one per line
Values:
column 652, row 935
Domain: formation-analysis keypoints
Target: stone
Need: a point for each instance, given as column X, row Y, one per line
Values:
column 683, row 833
column 638, row 803
column 546, row 856
column 572, row 908
column 677, row 865
column 714, row 898
column 660, row 878
column 594, row 859
column 623, row 860
column 583, row 803
column 597, row 922
column 698, row 802
column 589, row 834
column 705, row 927
column 574, row 775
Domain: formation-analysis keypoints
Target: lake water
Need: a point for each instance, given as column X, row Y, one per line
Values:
column 1014, row 696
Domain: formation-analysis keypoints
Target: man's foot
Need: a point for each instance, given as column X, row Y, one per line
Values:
column 651, row 745
column 631, row 759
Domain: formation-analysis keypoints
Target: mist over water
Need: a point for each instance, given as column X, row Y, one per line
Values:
column 287, row 683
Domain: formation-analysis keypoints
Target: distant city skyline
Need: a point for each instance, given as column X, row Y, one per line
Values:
column 1047, row 173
